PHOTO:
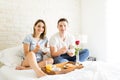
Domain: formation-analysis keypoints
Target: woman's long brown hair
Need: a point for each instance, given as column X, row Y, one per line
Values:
column 42, row 36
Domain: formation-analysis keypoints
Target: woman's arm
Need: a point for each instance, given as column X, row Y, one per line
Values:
column 27, row 48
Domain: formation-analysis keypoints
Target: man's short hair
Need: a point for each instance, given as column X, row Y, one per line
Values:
column 62, row 19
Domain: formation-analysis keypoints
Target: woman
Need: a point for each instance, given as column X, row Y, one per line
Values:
column 34, row 45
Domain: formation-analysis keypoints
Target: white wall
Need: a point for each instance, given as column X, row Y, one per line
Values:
column 17, row 18
column 96, row 20
column 113, row 31
column 93, row 25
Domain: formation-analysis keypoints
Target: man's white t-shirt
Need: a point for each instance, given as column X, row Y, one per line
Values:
column 56, row 41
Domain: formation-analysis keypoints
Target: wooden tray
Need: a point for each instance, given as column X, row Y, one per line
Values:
column 65, row 68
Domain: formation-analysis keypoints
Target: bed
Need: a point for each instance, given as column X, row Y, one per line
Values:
column 93, row 70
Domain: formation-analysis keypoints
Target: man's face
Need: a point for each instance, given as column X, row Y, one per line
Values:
column 62, row 26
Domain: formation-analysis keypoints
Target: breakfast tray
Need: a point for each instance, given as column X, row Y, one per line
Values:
column 65, row 68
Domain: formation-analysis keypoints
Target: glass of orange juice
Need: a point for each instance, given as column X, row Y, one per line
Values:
column 48, row 66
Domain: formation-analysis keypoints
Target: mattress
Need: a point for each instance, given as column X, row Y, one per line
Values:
column 93, row 70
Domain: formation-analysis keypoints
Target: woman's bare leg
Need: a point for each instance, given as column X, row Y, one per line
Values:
column 30, row 60
column 26, row 66
column 23, row 68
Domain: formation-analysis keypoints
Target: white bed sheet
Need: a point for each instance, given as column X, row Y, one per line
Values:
column 91, row 71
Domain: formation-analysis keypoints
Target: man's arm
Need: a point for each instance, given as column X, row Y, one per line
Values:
column 55, row 53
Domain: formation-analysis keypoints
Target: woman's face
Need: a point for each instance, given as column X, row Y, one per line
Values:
column 39, row 28
column 62, row 26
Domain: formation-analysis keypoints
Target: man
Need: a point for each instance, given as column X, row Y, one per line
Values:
column 62, row 45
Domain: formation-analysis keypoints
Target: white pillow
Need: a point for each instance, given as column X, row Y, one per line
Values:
column 1, row 64
column 12, row 56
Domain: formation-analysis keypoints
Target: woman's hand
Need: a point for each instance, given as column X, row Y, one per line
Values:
column 37, row 48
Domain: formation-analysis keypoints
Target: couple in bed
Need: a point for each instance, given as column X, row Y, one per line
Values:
column 61, row 47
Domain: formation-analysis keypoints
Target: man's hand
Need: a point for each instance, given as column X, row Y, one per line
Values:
column 71, row 52
column 63, row 50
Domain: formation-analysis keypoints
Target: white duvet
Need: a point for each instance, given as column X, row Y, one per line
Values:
column 91, row 71
column 95, row 70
